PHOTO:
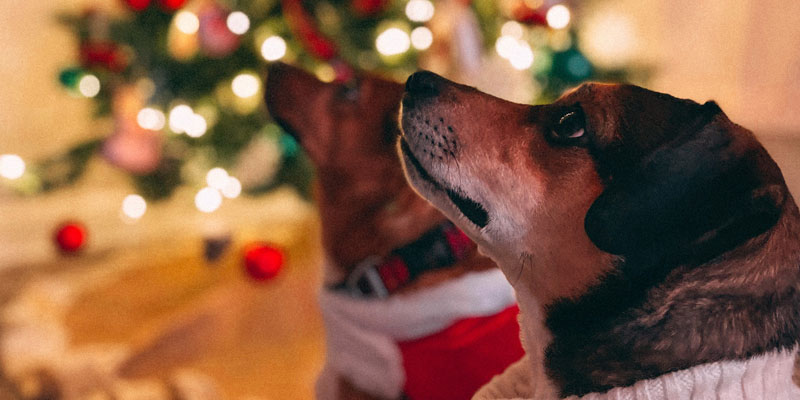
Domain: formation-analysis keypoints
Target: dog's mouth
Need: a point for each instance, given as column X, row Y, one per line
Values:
column 472, row 210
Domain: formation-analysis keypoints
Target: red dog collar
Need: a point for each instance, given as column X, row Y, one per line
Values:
column 438, row 248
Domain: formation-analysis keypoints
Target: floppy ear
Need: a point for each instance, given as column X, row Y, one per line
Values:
column 696, row 196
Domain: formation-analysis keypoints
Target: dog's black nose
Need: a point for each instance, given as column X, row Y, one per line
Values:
column 424, row 84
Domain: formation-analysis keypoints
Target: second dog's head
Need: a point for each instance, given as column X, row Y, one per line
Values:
column 349, row 131
column 561, row 191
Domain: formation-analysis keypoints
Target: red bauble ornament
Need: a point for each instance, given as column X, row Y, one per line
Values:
column 103, row 54
column 137, row 5
column 171, row 5
column 305, row 28
column 369, row 7
column 530, row 16
column 216, row 40
column 70, row 236
column 262, row 261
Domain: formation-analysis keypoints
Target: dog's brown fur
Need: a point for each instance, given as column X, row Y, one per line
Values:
column 660, row 237
column 367, row 207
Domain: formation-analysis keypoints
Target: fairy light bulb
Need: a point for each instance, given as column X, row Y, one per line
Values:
column 134, row 206
column 522, row 56
column 421, row 38
column 392, row 41
column 196, row 126
column 89, row 85
column 558, row 16
column 180, row 117
column 232, row 188
column 11, row 166
column 151, row 119
column 187, row 22
column 245, row 85
column 217, row 178
column 238, row 22
column 273, row 48
column 420, row 10
column 208, row 200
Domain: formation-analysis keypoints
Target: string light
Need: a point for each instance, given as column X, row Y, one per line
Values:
column 325, row 73
column 274, row 48
column 11, row 166
column 393, row 41
column 419, row 10
column 238, row 22
column 179, row 117
column 187, row 22
column 517, row 52
column 134, row 206
column 522, row 57
column 421, row 38
column 151, row 119
column 89, row 85
column 217, row 178
column 513, row 29
column 232, row 188
column 245, row 85
column 208, row 200
column 558, row 16
column 196, row 126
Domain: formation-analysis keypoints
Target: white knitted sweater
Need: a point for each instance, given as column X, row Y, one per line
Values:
column 765, row 377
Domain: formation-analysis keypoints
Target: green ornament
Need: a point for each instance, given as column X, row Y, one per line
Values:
column 69, row 77
column 289, row 145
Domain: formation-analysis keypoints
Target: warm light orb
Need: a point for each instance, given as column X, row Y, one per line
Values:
column 513, row 29
column 393, row 41
column 238, row 22
column 134, row 206
column 609, row 39
column 11, row 166
column 522, row 56
column 558, row 16
column 274, row 48
column 151, row 119
column 89, row 85
column 232, row 188
column 245, row 85
column 180, row 117
column 505, row 46
column 419, row 10
column 217, row 178
column 187, row 22
column 196, row 126
column 325, row 73
column 208, row 200
column 421, row 38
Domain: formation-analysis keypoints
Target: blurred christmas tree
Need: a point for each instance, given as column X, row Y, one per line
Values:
column 182, row 80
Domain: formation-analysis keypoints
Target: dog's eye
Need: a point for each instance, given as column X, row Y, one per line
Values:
column 571, row 125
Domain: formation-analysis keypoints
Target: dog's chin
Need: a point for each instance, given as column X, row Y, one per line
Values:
column 450, row 200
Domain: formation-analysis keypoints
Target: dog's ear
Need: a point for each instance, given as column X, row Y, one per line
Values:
column 697, row 195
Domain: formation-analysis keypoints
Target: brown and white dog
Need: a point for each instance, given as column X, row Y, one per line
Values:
column 653, row 244
column 410, row 308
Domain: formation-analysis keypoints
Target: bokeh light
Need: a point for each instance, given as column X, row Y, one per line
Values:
column 421, row 38
column 393, row 41
column 273, row 48
column 238, row 22
column 419, row 10
column 558, row 16
column 134, row 206
column 208, row 200
column 187, row 22
column 245, row 85
column 11, row 166
column 89, row 85
column 151, row 119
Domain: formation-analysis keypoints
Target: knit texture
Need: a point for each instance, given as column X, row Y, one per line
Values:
column 764, row 377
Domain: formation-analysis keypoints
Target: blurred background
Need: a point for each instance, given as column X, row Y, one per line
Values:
column 157, row 234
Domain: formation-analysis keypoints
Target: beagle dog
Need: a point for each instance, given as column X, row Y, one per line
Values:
column 652, row 243
column 411, row 310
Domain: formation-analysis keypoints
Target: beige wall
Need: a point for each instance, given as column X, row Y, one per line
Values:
column 743, row 53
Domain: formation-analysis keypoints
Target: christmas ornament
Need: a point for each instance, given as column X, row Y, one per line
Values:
column 70, row 236
column 137, row 5
column 369, row 7
column 69, row 77
column 262, row 261
column 306, row 30
column 216, row 40
column 131, row 147
column 103, row 54
column 171, row 5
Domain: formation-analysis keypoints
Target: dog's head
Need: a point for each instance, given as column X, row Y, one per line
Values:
column 349, row 131
column 561, row 191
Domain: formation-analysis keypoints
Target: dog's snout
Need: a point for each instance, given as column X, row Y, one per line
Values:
column 424, row 84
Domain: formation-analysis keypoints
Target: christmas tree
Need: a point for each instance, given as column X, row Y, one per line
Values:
column 182, row 80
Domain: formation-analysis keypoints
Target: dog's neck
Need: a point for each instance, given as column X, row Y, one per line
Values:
column 624, row 329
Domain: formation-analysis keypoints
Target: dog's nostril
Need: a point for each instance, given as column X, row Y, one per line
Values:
column 424, row 84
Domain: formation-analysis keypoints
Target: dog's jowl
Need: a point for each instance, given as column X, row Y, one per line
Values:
column 651, row 241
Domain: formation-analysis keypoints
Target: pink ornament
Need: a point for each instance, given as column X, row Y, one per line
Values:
column 216, row 40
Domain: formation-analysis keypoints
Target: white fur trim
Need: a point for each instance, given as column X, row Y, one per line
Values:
column 361, row 334
column 764, row 377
